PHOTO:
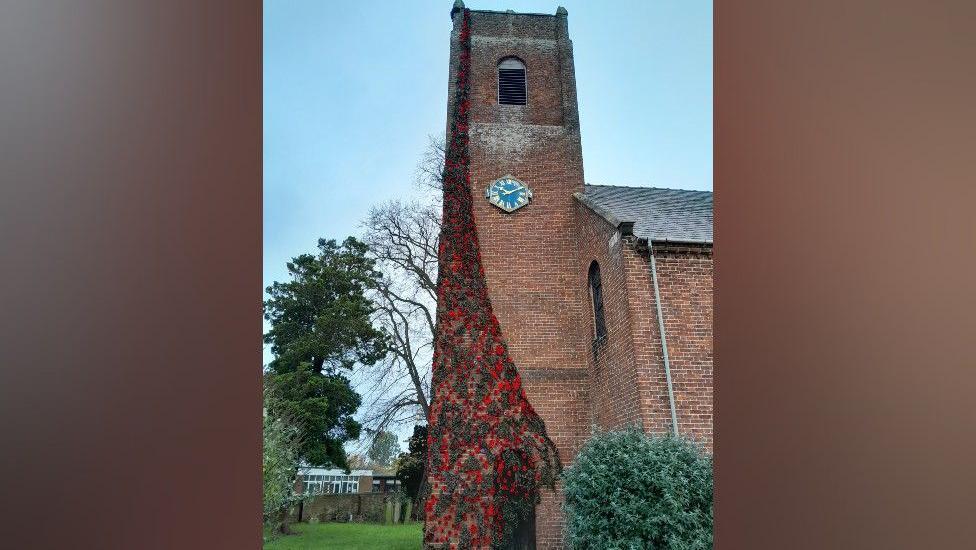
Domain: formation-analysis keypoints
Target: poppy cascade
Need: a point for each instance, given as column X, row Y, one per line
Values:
column 489, row 454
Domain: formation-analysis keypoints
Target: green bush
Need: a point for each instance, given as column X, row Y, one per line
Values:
column 628, row 490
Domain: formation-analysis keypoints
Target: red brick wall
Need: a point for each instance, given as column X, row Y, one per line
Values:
column 529, row 256
column 536, row 262
column 685, row 281
column 655, row 413
column 614, row 396
column 627, row 379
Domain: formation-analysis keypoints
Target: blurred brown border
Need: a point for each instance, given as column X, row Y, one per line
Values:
column 130, row 134
column 131, row 224
column 845, row 139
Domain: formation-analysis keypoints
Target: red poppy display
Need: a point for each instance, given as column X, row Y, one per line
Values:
column 489, row 454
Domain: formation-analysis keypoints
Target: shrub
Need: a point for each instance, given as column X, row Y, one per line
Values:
column 280, row 461
column 280, row 464
column 628, row 490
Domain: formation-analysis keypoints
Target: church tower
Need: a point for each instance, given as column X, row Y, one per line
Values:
column 524, row 132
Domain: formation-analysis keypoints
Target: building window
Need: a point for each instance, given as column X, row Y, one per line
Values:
column 511, row 82
column 319, row 484
column 596, row 295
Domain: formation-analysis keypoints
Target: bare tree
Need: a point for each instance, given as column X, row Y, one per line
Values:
column 430, row 170
column 402, row 238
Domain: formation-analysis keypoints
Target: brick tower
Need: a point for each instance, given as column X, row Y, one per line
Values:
column 530, row 254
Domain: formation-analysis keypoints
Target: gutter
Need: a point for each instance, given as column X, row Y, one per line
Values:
column 678, row 241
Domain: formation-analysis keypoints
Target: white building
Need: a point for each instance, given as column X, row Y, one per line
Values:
column 320, row 481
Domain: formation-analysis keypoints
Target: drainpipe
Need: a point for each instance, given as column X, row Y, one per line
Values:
column 664, row 341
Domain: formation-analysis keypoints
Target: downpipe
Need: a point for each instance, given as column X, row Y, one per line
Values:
column 664, row 341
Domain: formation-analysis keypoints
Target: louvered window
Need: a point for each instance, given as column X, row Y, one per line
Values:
column 511, row 82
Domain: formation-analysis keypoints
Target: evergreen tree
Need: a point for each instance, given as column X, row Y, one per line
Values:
column 320, row 328
column 410, row 465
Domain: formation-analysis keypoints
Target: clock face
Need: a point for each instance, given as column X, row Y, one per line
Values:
column 508, row 193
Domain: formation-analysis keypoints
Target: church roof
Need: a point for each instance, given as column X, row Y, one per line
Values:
column 655, row 214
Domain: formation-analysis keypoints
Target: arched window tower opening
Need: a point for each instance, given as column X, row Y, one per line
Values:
column 511, row 82
column 596, row 295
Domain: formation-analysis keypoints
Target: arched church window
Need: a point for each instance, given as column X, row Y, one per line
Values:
column 511, row 82
column 596, row 294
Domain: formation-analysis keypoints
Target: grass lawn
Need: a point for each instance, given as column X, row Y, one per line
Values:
column 351, row 536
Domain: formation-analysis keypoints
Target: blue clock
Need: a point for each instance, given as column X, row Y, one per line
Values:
column 508, row 193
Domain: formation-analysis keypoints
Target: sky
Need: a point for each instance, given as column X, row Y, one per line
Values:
column 352, row 90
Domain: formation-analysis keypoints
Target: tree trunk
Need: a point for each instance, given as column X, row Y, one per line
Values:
column 421, row 500
column 283, row 516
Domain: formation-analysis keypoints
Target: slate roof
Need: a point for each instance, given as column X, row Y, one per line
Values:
column 659, row 215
